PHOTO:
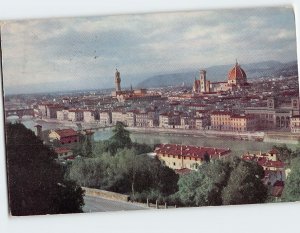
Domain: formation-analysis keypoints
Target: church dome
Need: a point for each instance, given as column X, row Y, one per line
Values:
column 237, row 73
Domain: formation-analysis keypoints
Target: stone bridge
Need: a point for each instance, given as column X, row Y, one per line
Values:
column 19, row 112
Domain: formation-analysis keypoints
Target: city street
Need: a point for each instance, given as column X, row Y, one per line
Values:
column 98, row 204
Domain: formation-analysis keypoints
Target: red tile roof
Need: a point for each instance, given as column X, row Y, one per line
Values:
column 190, row 151
column 236, row 73
column 66, row 132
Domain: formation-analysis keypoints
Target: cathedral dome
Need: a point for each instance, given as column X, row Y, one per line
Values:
column 237, row 73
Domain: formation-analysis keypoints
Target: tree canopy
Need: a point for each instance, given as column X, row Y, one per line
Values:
column 232, row 181
column 126, row 172
column 120, row 139
column 36, row 182
column 292, row 185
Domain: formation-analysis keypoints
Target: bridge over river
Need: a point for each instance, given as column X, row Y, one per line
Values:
column 19, row 112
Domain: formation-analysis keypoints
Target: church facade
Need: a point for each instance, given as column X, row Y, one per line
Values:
column 236, row 79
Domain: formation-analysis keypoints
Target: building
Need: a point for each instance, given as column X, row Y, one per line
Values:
column 62, row 115
column 105, row 118
column 295, row 124
column 130, row 118
column 275, row 115
column 146, row 119
column 169, row 120
column 236, row 79
column 132, row 95
column 191, row 157
column 220, row 120
column 49, row 110
column 75, row 115
column 274, row 169
column 117, row 115
column 52, row 111
column 64, row 153
column 243, row 123
column 89, row 116
column 227, row 121
column 202, row 119
column 64, row 136
column 201, row 123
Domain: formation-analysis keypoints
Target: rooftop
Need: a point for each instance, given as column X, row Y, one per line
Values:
column 66, row 132
column 190, row 151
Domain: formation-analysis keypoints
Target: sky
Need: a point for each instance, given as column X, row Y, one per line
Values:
column 83, row 53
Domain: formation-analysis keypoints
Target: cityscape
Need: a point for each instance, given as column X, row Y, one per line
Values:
column 194, row 140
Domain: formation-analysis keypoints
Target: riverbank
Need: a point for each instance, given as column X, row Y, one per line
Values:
column 270, row 137
column 258, row 136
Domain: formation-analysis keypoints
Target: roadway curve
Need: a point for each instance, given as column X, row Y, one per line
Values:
column 99, row 204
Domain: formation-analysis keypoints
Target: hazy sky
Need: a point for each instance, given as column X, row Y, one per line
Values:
column 79, row 53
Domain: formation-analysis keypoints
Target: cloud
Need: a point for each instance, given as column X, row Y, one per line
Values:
column 85, row 50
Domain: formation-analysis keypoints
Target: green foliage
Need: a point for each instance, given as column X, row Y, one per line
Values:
column 292, row 185
column 67, row 198
column 84, row 147
column 245, row 185
column 142, row 148
column 126, row 172
column 86, row 172
column 120, row 139
column 285, row 153
column 232, row 181
column 191, row 189
column 35, row 180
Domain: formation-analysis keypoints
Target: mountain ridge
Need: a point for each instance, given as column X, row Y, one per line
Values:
column 270, row 68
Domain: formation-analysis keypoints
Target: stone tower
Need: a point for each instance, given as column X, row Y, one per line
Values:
column 117, row 81
column 38, row 131
column 203, row 81
column 295, row 105
column 271, row 102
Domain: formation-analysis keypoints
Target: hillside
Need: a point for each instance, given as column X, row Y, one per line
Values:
column 219, row 73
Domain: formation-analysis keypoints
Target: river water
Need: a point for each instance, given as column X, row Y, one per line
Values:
column 237, row 147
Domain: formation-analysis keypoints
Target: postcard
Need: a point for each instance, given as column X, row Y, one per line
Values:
column 151, row 111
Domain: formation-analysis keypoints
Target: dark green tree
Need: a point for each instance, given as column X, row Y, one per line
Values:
column 292, row 185
column 34, row 178
column 126, row 172
column 285, row 153
column 244, row 185
column 121, row 138
column 232, row 181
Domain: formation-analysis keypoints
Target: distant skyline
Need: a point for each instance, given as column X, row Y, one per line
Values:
column 81, row 53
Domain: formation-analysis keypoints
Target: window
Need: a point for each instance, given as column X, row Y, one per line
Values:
column 174, row 164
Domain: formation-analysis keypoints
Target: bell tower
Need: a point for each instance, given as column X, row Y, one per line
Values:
column 117, row 81
column 203, row 81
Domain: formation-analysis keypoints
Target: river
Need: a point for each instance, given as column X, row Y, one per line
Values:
column 237, row 147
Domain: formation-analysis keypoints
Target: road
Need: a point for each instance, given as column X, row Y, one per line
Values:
column 98, row 204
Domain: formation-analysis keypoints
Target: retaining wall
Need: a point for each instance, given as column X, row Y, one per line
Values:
column 105, row 194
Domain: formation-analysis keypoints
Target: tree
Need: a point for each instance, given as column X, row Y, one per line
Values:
column 120, row 139
column 34, row 178
column 67, row 199
column 244, row 185
column 87, row 172
column 292, row 185
column 285, row 153
column 190, row 189
column 205, row 186
column 231, row 181
column 126, row 172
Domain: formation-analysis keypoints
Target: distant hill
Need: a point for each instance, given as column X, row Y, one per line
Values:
column 219, row 73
